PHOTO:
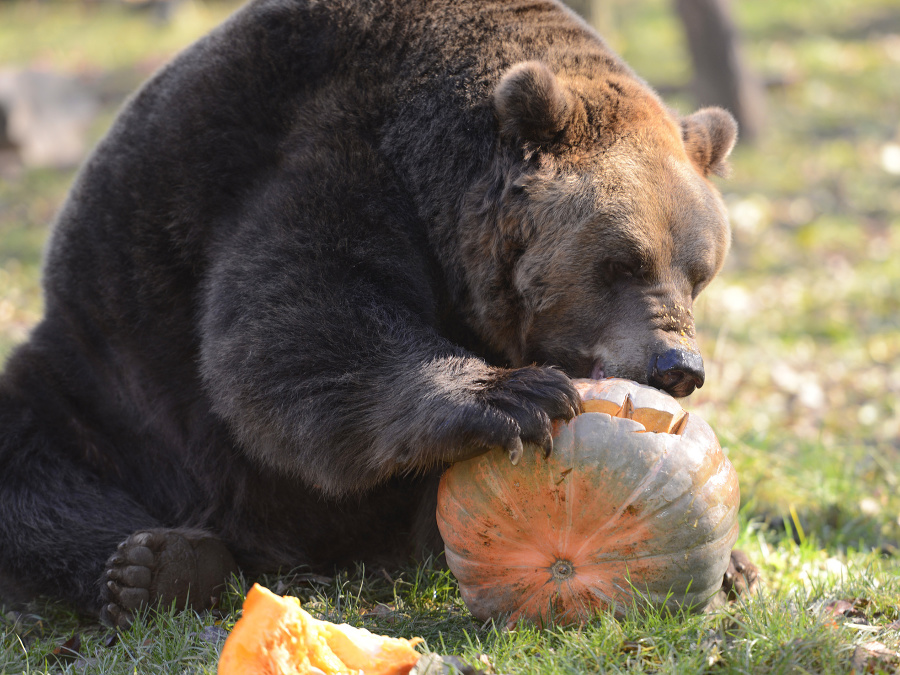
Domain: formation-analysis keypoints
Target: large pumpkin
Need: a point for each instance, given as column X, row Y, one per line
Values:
column 615, row 518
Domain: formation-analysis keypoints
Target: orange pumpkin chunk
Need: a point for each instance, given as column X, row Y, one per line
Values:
column 275, row 636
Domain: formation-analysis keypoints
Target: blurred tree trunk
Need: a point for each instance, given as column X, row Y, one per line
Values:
column 5, row 141
column 721, row 77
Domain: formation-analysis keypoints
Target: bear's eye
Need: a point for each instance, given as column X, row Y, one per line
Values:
column 642, row 272
column 612, row 271
column 619, row 270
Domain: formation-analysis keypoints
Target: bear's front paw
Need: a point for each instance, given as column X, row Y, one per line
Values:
column 161, row 567
column 529, row 399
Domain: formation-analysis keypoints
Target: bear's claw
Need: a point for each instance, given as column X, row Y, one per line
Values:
column 530, row 398
column 128, row 577
column 516, row 450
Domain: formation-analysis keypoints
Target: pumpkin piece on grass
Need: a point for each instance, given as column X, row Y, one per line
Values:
column 275, row 636
column 623, row 514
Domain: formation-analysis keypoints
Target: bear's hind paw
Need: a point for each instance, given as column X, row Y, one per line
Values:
column 162, row 567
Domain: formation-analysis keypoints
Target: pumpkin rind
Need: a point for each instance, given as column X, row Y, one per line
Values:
column 615, row 514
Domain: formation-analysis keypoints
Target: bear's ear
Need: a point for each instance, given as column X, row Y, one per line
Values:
column 709, row 135
column 531, row 104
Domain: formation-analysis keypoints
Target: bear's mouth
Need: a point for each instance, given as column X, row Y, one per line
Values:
column 598, row 370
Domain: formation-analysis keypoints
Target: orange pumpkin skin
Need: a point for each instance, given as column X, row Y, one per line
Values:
column 276, row 636
column 619, row 515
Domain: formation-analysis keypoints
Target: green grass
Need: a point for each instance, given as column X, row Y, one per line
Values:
column 801, row 336
column 787, row 628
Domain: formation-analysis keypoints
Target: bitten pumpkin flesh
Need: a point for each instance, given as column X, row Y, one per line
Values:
column 275, row 636
column 613, row 513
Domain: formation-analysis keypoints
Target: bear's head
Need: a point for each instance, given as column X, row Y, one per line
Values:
column 598, row 226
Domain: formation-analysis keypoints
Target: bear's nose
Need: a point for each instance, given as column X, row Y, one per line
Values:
column 676, row 371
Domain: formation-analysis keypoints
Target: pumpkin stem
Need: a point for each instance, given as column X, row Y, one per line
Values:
column 562, row 570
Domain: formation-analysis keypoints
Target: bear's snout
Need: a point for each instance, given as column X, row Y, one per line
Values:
column 676, row 371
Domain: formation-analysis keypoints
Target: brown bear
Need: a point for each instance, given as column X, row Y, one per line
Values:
column 331, row 248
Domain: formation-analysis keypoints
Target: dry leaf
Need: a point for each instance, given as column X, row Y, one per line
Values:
column 212, row 634
column 849, row 610
column 630, row 647
column 873, row 657
column 69, row 649
column 384, row 613
column 839, row 606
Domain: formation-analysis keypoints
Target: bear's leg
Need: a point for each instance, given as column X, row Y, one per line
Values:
column 182, row 567
column 64, row 533
column 68, row 530
column 58, row 524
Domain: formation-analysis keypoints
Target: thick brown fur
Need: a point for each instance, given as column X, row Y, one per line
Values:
column 334, row 246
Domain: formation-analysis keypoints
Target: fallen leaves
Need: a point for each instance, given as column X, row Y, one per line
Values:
column 70, row 649
column 874, row 657
column 840, row 612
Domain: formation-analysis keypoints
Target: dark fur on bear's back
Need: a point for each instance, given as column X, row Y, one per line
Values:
column 269, row 310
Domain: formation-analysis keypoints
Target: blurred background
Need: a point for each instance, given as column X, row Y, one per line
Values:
column 801, row 333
